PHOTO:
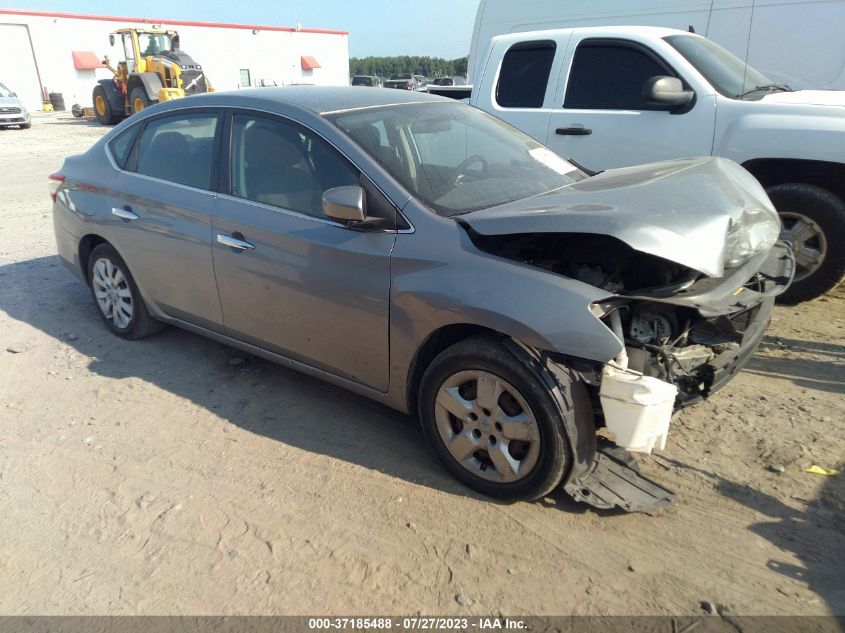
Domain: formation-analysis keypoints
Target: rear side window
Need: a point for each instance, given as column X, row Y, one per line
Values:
column 179, row 149
column 610, row 77
column 525, row 74
column 121, row 145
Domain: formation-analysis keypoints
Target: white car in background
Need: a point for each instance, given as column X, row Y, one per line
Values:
column 12, row 111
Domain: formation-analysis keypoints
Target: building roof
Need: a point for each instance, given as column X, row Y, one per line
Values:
column 218, row 25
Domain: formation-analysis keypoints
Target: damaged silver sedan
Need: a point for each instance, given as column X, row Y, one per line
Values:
column 542, row 321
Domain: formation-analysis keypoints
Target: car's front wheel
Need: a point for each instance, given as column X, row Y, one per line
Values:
column 117, row 296
column 492, row 422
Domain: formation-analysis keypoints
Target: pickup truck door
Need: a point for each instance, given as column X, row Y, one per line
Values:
column 600, row 118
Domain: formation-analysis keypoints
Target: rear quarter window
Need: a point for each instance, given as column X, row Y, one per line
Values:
column 121, row 145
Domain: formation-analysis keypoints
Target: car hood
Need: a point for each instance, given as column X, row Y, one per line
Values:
column 678, row 210
column 808, row 97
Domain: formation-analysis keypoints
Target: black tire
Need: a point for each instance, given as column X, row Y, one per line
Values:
column 486, row 353
column 140, row 324
column 138, row 100
column 25, row 126
column 827, row 210
column 102, row 107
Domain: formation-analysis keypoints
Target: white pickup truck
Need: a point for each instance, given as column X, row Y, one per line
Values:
column 617, row 96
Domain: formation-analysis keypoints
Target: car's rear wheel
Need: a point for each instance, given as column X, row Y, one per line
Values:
column 116, row 295
column 814, row 223
column 492, row 422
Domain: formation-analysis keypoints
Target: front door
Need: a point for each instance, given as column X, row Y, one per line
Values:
column 604, row 121
column 291, row 280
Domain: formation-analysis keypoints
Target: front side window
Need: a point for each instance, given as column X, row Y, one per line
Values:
column 456, row 158
column 525, row 74
column 282, row 165
column 179, row 149
column 610, row 77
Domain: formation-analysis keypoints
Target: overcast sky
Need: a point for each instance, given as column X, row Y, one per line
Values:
column 440, row 28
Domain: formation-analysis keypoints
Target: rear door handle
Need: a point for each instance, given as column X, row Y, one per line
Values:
column 125, row 213
column 235, row 241
column 573, row 131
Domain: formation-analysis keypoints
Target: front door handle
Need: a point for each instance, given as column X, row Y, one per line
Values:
column 125, row 213
column 574, row 131
column 235, row 241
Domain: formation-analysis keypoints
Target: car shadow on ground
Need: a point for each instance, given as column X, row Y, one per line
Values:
column 826, row 374
column 814, row 535
column 256, row 395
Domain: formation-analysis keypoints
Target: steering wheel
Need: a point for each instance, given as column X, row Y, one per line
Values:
column 461, row 174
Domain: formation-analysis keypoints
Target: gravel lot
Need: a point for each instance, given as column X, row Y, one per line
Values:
column 177, row 476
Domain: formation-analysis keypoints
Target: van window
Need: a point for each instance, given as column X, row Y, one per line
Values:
column 282, row 165
column 610, row 76
column 525, row 74
column 179, row 149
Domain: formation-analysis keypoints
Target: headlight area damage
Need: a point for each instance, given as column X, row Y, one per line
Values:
column 688, row 318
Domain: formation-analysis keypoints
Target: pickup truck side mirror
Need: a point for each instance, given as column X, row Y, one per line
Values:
column 344, row 204
column 667, row 92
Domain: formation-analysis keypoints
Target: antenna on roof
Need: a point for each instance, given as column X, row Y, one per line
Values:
column 691, row 28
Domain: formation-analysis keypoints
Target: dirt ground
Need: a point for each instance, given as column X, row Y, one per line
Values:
column 178, row 476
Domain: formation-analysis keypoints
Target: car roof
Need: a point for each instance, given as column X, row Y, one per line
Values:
column 317, row 99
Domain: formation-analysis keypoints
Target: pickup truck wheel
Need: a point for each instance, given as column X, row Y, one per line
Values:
column 814, row 222
column 491, row 421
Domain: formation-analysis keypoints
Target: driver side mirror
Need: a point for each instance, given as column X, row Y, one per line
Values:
column 344, row 204
column 668, row 92
column 111, row 39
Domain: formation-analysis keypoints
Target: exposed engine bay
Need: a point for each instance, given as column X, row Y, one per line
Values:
column 673, row 343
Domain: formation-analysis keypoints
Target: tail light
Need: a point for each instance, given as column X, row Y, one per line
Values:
column 54, row 181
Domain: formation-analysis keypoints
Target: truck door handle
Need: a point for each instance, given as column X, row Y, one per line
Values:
column 235, row 241
column 125, row 213
column 573, row 131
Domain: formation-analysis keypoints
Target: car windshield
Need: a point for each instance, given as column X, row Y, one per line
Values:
column 152, row 44
column 362, row 81
column 456, row 158
column 4, row 91
column 727, row 73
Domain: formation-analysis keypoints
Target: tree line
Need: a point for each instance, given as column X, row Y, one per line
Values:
column 408, row 64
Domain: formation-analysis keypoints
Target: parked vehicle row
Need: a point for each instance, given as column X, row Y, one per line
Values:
column 436, row 259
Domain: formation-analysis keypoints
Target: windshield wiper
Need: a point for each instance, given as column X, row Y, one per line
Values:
column 765, row 87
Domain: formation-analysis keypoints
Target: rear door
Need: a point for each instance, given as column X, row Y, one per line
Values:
column 162, row 218
column 601, row 118
column 298, row 283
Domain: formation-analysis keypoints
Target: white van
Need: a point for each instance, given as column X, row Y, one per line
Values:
column 796, row 42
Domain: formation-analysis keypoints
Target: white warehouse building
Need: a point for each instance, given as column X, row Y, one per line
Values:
column 49, row 52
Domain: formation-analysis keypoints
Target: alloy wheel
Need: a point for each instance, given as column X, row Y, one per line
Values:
column 809, row 244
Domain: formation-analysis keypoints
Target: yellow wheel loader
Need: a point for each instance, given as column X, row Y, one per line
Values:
column 155, row 70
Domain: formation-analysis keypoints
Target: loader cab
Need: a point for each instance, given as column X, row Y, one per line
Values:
column 140, row 44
